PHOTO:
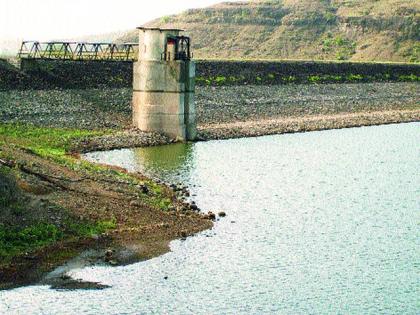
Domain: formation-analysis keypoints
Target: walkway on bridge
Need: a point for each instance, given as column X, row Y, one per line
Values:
column 78, row 51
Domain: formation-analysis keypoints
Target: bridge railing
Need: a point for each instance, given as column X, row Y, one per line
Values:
column 78, row 51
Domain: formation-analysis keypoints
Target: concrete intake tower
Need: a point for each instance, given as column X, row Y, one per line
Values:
column 164, row 83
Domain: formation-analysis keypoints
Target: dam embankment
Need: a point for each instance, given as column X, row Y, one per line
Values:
column 233, row 98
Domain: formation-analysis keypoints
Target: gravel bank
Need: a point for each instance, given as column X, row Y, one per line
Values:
column 252, row 103
column 70, row 108
column 265, row 109
column 306, row 123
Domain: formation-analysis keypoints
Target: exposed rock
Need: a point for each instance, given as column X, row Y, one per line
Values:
column 211, row 215
column 108, row 255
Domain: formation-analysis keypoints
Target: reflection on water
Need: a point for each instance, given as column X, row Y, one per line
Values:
column 322, row 223
column 168, row 158
column 173, row 158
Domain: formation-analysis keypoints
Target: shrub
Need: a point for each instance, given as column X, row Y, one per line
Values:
column 289, row 79
column 165, row 19
column 220, row 80
column 409, row 78
column 314, row 79
column 354, row 77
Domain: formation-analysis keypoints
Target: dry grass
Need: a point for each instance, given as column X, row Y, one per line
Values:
column 385, row 30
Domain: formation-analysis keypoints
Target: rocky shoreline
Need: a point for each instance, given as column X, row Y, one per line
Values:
column 304, row 124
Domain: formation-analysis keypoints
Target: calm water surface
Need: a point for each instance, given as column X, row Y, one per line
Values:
column 321, row 223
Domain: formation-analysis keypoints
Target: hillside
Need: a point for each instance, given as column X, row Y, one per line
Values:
column 356, row 30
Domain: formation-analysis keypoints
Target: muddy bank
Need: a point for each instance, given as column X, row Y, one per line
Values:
column 116, row 218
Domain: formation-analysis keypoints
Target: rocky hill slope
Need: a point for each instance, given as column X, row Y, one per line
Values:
column 356, row 30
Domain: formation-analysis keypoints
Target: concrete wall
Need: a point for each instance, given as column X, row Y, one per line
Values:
column 159, row 97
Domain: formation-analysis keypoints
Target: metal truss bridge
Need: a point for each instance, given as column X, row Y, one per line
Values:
column 78, row 51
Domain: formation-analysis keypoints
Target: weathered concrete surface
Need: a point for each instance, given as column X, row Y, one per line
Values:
column 163, row 89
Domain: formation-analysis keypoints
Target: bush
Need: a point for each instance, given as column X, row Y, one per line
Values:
column 314, row 79
column 409, row 78
column 220, row 80
column 354, row 77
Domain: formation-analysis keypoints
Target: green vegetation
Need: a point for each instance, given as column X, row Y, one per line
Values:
column 314, row 79
column 218, row 80
column 165, row 19
column 289, row 79
column 56, row 144
column 15, row 241
column 273, row 78
column 354, row 77
column 342, row 47
column 409, row 78
column 26, row 226
column 86, row 229
column 47, row 142
column 18, row 240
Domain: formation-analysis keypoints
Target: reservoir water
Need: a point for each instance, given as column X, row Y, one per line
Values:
column 321, row 223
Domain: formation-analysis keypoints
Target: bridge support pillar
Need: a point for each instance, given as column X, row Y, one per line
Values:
column 163, row 84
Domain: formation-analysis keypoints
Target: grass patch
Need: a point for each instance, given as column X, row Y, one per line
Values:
column 45, row 142
column 314, row 79
column 409, row 78
column 273, row 78
column 87, row 229
column 15, row 241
